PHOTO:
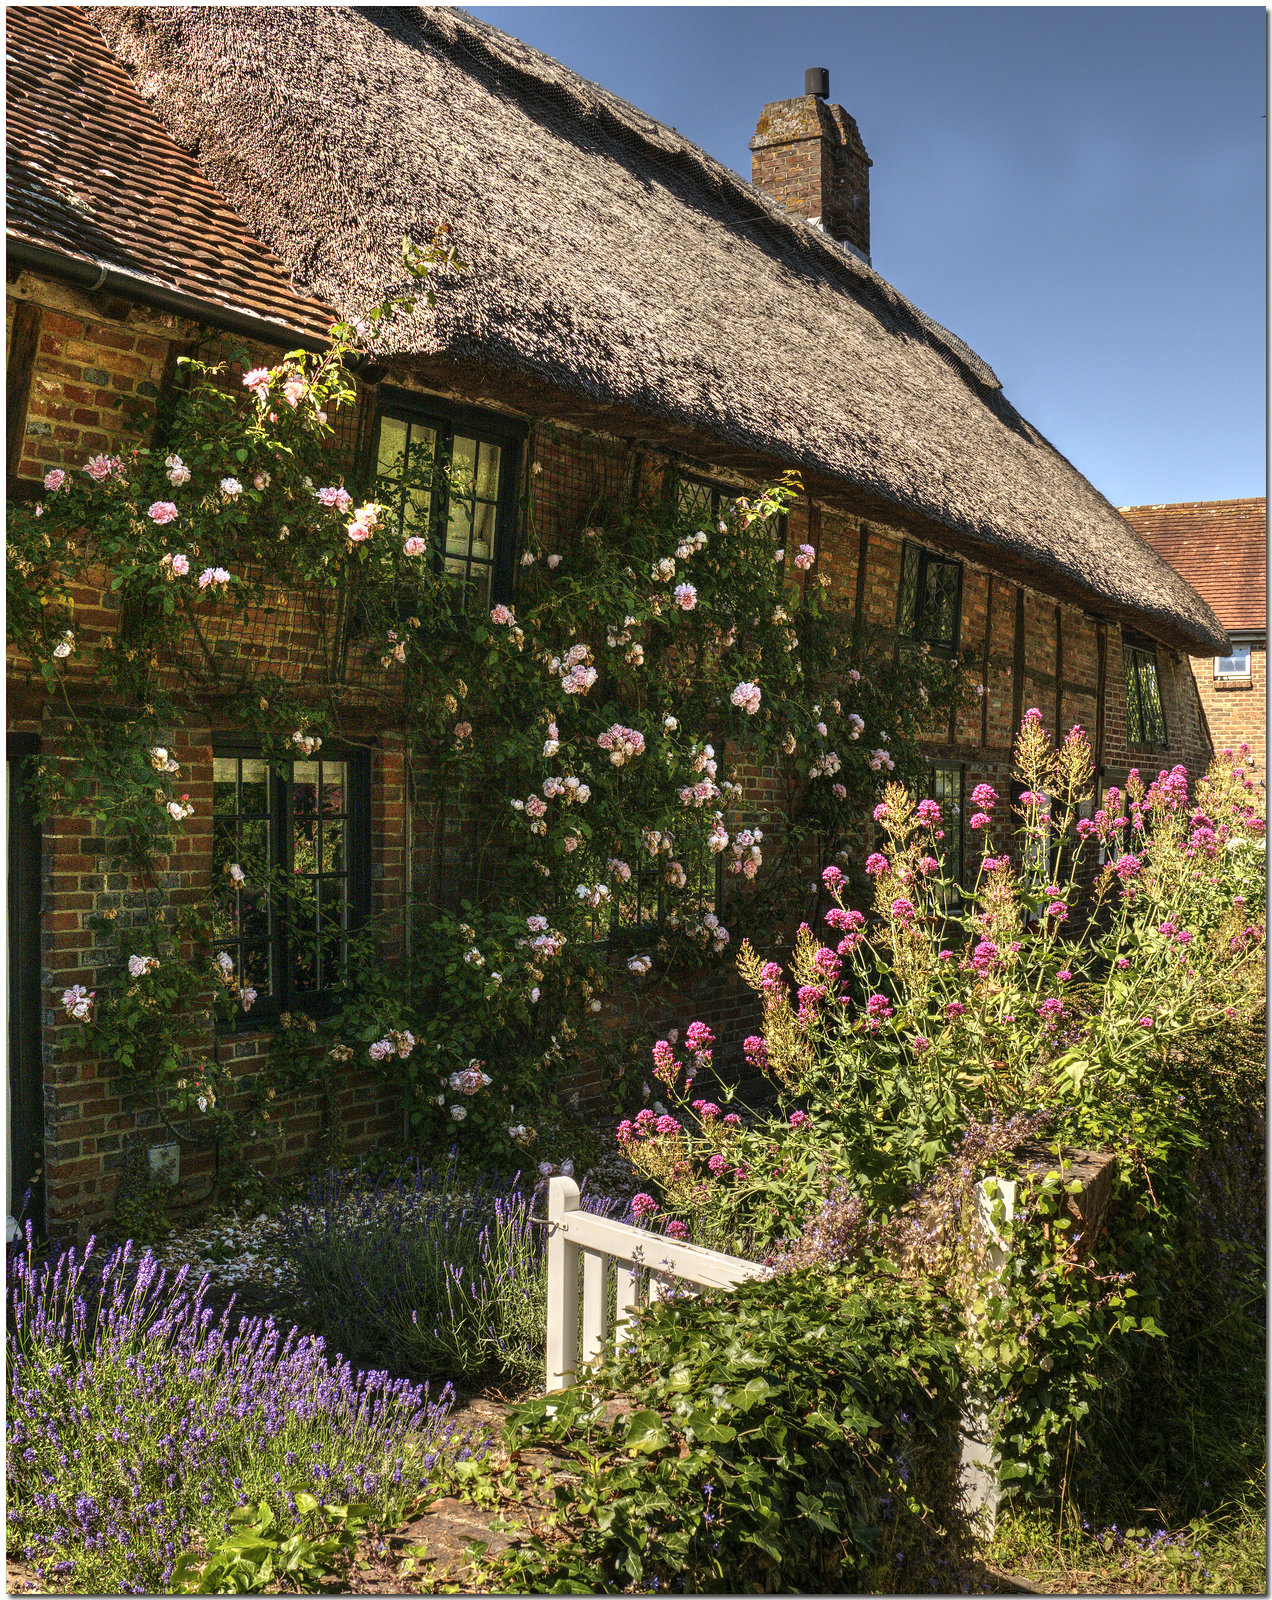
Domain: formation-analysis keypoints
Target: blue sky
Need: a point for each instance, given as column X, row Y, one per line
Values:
column 1079, row 193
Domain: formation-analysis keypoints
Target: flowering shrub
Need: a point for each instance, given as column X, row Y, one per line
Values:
column 922, row 1047
column 598, row 720
column 135, row 1421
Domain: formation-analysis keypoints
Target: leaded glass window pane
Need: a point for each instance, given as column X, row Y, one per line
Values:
column 243, row 924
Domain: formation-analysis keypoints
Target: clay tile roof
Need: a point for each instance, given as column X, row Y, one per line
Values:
column 93, row 174
column 1218, row 546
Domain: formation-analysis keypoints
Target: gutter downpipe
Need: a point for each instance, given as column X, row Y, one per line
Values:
column 95, row 275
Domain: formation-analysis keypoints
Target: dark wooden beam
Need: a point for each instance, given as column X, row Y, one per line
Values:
column 24, row 341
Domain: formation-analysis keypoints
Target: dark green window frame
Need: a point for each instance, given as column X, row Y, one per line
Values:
column 930, row 599
column 704, row 497
column 1145, row 714
column 947, row 781
column 481, row 448
column 266, row 821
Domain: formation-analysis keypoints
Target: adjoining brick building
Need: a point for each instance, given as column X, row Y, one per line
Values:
column 1221, row 548
column 632, row 311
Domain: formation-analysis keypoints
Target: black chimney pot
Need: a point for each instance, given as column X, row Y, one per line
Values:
column 817, row 82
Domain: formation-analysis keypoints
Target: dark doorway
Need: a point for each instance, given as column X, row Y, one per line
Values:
column 26, row 1077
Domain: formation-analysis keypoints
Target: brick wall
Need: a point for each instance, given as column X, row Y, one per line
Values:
column 95, row 366
column 1235, row 709
column 809, row 156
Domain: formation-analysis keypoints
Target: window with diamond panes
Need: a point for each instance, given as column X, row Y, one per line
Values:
column 947, row 780
column 930, row 598
column 1145, row 716
column 299, row 835
column 698, row 499
column 453, row 484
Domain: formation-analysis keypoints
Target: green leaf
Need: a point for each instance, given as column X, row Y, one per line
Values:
column 645, row 1432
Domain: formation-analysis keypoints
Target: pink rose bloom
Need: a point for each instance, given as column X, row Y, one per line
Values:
column 839, row 792
column 502, row 616
column 807, row 555
column 99, row 468
column 293, row 391
column 54, row 480
column 338, row 499
column 853, row 675
column 414, row 546
column 162, row 511
column 257, row 380
column 686, row 596
column 180, row 565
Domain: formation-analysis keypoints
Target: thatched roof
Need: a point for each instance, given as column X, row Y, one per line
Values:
column 612, row 260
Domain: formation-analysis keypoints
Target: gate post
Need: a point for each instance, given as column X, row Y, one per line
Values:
column 563, row 1286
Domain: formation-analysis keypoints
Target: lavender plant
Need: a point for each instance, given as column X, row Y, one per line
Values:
column 137, row 1421
column 436, row 1279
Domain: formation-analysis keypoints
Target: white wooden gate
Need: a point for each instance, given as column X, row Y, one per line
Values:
column 638, row 1254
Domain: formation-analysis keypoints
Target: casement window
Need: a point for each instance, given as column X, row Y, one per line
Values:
column 1237, row 665
column 450, row 476
column 946, row 783
column 1145, row 718
column 299, row 831
column 930, row 600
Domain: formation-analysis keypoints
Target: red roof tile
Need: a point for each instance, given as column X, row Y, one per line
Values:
column 1218, row 546
column 92, row 173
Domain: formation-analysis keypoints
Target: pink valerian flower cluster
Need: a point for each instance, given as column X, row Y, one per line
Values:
column 810, row 996
column 978, row 821
column 876, row 865
column 984, row 797
column 666, row 1066
column 623, row 744
column 771, row 980
column 644, row 1205
column 79, row 1002
column 747, row 696
column 851, row 924
column 1051, row 1012
column 902, row 910
column 828, row 963
column 805, row 557
column 756, row 1051
column 985, row 957
column 677, row 1229
column 929, row 813
column 833, row 878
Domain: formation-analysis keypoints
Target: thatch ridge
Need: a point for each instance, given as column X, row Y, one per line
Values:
column 612, row 259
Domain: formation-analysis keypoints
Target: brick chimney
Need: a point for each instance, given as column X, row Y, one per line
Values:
column 809, row 157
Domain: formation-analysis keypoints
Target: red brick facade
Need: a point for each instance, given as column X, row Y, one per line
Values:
column 93, row 379
column 809, row 157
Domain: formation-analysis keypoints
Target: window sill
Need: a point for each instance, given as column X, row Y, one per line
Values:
column 1224, row 684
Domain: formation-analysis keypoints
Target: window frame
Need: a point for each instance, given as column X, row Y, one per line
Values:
column 908, row 627
column 720, row 492
column 509, row 434
column 317, row 1003
column 959, row 770
column 1224, row 672
column 1137, row 652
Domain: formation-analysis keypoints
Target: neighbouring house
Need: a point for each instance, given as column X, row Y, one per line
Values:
column 631, row 309
column 1220, row 547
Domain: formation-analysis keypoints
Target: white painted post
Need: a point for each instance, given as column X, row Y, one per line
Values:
column 563, row 1286
column 594, row 1306
column 979, row 1461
